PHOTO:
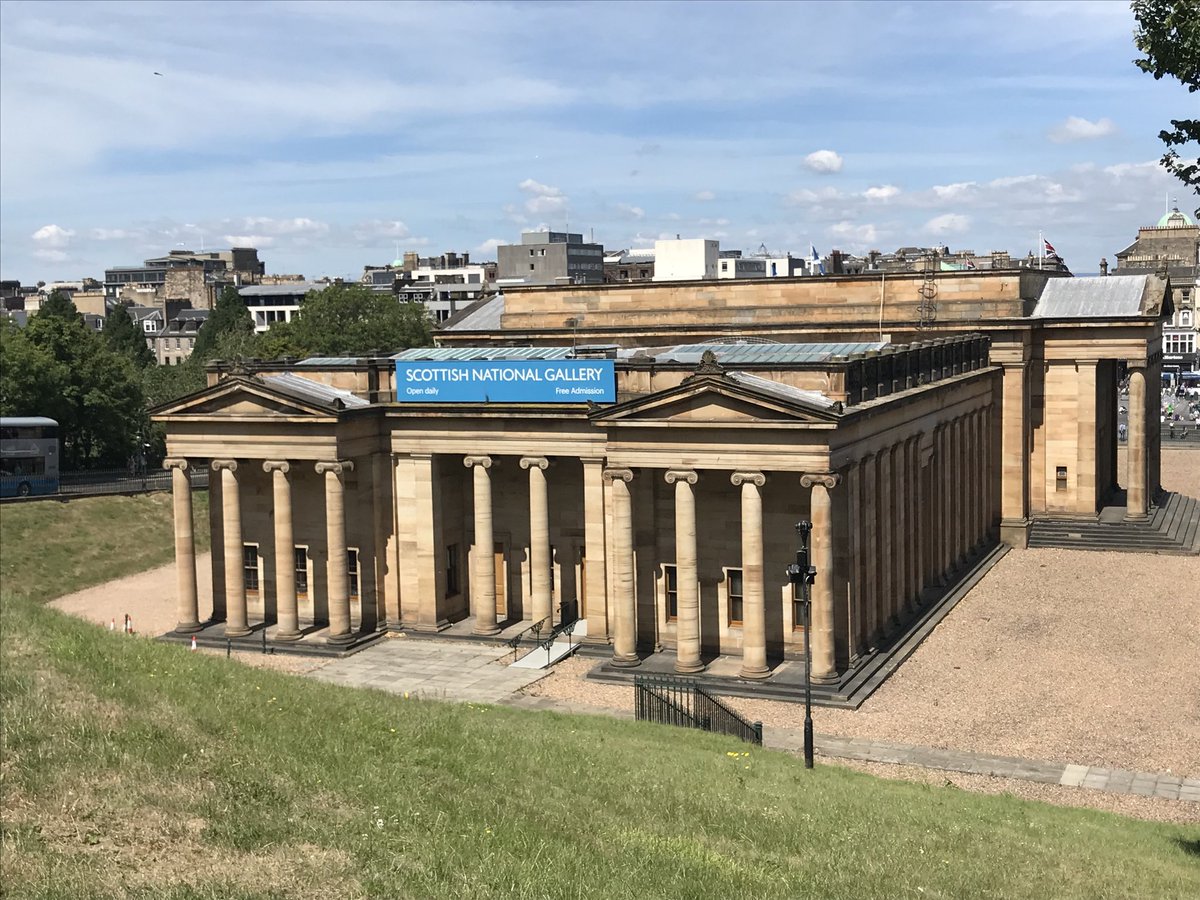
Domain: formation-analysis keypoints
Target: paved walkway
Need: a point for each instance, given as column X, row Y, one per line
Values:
column 435, row 670
column 1115, row 781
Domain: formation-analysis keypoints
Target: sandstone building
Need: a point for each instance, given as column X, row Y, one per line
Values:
column 636, row 455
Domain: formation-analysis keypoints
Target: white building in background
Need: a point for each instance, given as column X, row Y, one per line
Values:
column 741, row 267
column 686, row 260
column 271, row 303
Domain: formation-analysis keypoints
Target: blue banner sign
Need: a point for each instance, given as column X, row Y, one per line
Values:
column 507, row 381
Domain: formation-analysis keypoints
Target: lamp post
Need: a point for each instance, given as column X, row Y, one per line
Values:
column 801, row 574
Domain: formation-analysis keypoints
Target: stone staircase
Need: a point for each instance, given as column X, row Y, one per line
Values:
column 1172, row 528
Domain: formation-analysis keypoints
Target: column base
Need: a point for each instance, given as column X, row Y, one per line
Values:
column 689, row 668
column 486, row 630
column 1015, row 533
column 1136, row 518
column 281, row 635
column 596, row 640
column 340, row 640
column 231, row 632
column 754, row 673
column 824, row 677
column 188, row 627
column 625, row 660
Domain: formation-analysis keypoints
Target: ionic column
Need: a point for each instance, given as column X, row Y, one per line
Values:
column 902, row 488
column 287, row 616
column 337, row 575
column 539, row 537
column 856, row 558
column 824, row 662
column 966, row 464
column 754, row 613
column 1136, row 490
column 188, row 605
column 625, row 603
column 483, row 568
column 870, row 556
column 886, row 538
column 595, row 578
column 913, row 548
column 687, row 624
column 231, row 527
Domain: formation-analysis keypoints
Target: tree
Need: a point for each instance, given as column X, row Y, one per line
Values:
column 228, row 316
column 1168, row 33
column 60, row 368
column 124, row 338
column 352, row 319
column 59, row 305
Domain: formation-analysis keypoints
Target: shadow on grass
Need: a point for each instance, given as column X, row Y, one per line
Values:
column 1190, row 847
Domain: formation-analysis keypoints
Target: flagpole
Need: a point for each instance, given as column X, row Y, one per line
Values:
column 1041, row 251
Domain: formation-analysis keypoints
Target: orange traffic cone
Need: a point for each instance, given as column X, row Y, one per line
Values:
column 193, row 642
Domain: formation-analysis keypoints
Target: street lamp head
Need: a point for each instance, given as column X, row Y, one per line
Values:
column 804, row 529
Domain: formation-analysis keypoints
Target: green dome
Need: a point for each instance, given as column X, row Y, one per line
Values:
column 1176, row 219
column 397, row 264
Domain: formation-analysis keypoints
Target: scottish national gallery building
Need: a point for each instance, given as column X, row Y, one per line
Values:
column 636, row 457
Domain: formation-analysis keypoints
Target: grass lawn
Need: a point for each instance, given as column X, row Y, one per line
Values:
column 132, row 768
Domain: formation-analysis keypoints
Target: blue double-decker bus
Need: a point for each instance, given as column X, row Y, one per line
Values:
column 28, row 456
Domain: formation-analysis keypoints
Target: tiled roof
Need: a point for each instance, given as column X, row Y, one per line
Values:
column 1095, row 297
column 312, row 391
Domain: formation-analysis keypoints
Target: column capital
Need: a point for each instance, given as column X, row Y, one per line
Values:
column 828, row 480
column 758, row 479
column 618, row 474
column 337, row 467
column 177, row 462
column 688, row 475
column 218, row 464
column 528, row 462
column 471, row 461
column 275, row 465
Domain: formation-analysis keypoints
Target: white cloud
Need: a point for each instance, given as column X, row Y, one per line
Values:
column 49, row 255
column 543, row 199
column 1074, row 128
column 626, row 211
column 949, row 223
column 111, row 234
column 884, row 192
column 823, row 162
column 53, row 236
column 248, row 240
column 488, row 247
column 380, row 229
column 863, row 234
column 268, row 225
column 805, row 196
column 704, row 196
column 955, row 191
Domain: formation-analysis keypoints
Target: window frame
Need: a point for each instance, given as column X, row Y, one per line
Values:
column 247, row 569
column 670, row 572
column 731, row 620
column 301, row 592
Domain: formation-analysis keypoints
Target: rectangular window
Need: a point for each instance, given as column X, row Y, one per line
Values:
column 301, row 571
column 452, row 585
column 671, row 586
column 250, row 567
column 352, row 571
column 797, row 609
column 733, row 581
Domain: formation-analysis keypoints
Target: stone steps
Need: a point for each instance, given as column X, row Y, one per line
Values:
column 1173, row 528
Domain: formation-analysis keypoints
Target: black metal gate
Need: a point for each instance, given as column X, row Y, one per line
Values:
column 670, row 700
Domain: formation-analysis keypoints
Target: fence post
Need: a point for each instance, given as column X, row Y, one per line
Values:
column 758, row 733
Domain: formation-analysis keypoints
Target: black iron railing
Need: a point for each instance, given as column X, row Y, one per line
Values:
column 669, row 700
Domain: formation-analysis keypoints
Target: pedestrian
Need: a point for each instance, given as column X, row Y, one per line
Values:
column 1121, row 431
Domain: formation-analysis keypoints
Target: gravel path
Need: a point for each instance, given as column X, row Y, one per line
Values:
column 1059, row 655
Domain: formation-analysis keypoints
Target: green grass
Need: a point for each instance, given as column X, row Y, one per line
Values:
column 132, row 768
column 50, row 548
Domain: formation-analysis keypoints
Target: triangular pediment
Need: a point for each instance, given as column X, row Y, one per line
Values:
column 242, row 398
column 719, row 401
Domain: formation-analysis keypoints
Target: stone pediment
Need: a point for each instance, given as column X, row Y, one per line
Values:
column 244, row 398
column 717, row 400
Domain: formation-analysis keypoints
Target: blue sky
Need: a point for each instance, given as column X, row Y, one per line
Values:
column 329, row 134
